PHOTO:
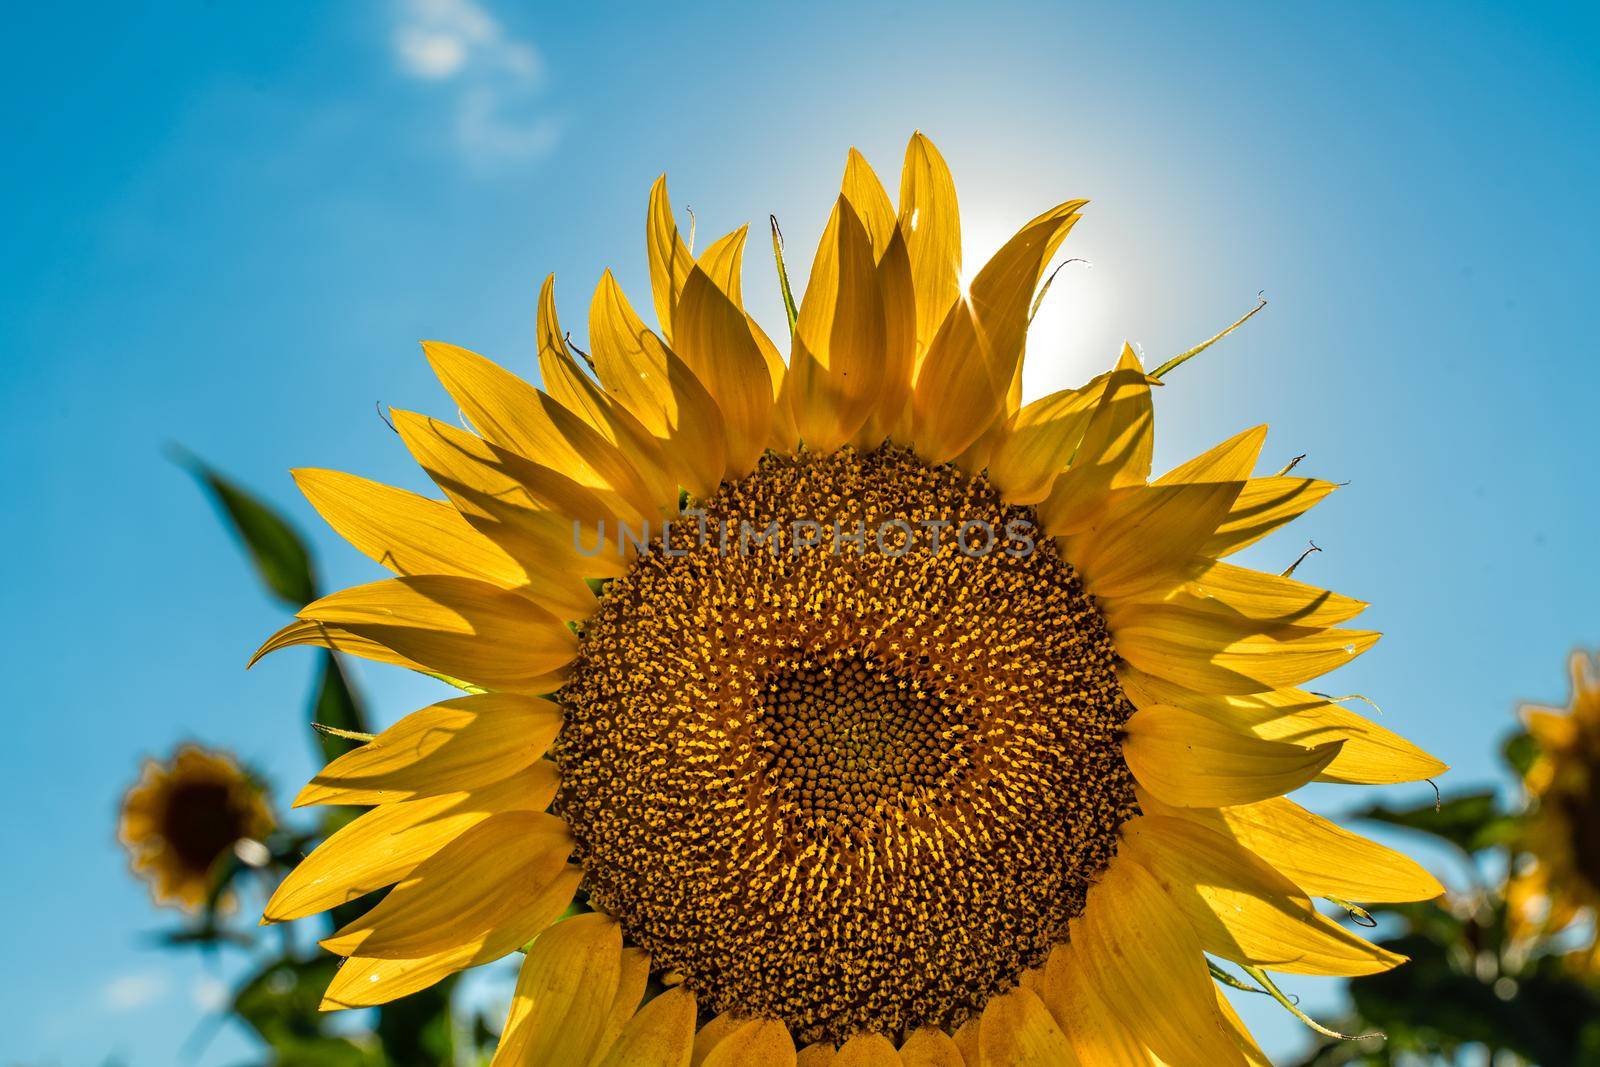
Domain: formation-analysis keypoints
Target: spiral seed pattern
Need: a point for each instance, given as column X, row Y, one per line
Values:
column 846, row 789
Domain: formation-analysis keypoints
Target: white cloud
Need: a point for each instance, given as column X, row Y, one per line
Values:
column 130, row 991
column 428, row 55
column 493, row 78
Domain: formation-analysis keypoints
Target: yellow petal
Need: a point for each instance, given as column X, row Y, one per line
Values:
column 1040, row 440
column 658, row 388
column 1148, row 538
column 458, row 627
column 836, row 369
column 449, row 747
column 564, row 993
column 1321, row 857
column 715, row 340
column 500, row 882
column 1143, row 959
column 386, row 844
column 670, row 258
column 1241, row 908
column 1554, row 730
column 954, row 400
column 889, row 415
column 1195, row 762
column 715, row 1029
column 749, row 1043
column 783, row 436
column 1205, row 647
column 1114, row 452
column 820, row 1054
column 867, row 1050
column 1002, row 294
column 932, row 227
column 631, row 982
column 930, row 1048
column 1264, row 504
column 407, row 533
column 1241, row 1033
column 362, row 982
column 1370, row 755
column 660, row 1035
column 1016, row 1030
column 1230, row 461
column 1265, row 598
column 509, row 412
column 866, row 195
column 540, row 517
column 723, row 262
column 577, row 393
column 1064, row 985
column 321, row 635
column 966, row 1039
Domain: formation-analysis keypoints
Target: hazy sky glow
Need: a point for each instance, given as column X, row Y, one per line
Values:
column 228, row 225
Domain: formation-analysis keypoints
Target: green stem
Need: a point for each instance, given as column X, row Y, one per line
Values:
column 348, row 735
column 783, row 275
column 1232, row 981
column 1292, row 1008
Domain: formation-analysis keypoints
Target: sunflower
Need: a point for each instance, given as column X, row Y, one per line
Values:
column 1561, row 883
column 838, row 709
column 183, row 815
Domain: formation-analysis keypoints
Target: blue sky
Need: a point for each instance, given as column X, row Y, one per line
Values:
column 228, row 225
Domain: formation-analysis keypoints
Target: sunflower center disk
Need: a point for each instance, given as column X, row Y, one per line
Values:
column 856, row 784
column 849, row 737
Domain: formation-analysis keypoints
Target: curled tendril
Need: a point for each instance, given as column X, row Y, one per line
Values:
column 1359, row 915
column 1293, row 566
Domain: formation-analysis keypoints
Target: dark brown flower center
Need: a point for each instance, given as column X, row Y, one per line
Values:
column 203, row 820
column 857, row 784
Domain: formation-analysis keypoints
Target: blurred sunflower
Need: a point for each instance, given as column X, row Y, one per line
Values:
column 183, row 815
column 877, row 795
column 1561, row 838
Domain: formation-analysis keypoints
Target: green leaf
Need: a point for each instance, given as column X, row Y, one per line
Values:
column 336, row 704
column 279, row 554
column 1432, row 1004
column 1520, row 750
column 1471, row 821
column 280, row 1003
column 416, row 1030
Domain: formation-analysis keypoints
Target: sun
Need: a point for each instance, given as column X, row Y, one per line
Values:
column 839, row 707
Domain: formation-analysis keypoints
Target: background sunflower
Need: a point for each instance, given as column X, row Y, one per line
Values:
column 186, row 818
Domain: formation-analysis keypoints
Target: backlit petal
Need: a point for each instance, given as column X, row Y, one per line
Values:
column 1241, row 908
column 1192, row 761
column 1144, row 960
column 452, row 746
